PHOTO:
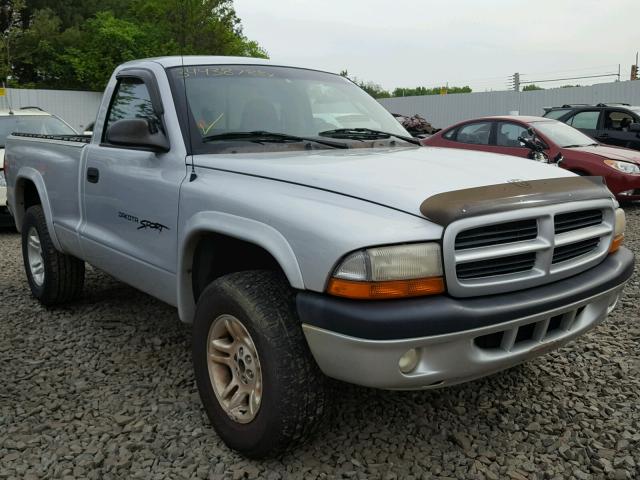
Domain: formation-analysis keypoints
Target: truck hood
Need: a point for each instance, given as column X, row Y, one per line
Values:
column 605, row 151
column 399, row 178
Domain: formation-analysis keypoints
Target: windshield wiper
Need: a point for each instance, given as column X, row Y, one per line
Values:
column 359, row 133
column 261, row 135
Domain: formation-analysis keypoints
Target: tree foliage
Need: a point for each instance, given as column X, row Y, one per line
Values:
column 418, row 91
column 531, row 87
column 373, row 89
column 77, row 43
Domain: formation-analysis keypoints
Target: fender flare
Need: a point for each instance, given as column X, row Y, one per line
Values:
column 241, row 228
column 32, row 175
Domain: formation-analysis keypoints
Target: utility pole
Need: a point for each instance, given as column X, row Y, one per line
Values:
column 634, row 70
column 516, row 82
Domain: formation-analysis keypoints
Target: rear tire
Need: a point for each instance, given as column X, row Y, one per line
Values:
column 284, row 389
column 53, row 276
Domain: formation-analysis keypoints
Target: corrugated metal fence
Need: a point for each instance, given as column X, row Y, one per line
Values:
column 444, row 110
column 80, row 108
column 77, row 108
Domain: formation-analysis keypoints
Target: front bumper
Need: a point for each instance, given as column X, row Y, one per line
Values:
column 624, row 186
column 456, row 340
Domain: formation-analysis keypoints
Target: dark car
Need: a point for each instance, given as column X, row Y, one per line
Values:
column 557, row 142
column 611, row 123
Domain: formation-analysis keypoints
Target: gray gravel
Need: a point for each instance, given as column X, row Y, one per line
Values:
column 103, row 389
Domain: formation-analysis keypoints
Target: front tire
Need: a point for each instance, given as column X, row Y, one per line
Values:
column 53, row 277
column 258, row 382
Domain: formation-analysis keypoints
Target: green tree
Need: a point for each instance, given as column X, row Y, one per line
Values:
column 418, row 91
column 373, row 89
column 531, row 87
column 78, row 43
column 10, row 21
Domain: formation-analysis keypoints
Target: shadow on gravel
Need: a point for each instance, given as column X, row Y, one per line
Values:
column 103, row 388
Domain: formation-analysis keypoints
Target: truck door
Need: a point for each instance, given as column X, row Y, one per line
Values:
column 131, row 193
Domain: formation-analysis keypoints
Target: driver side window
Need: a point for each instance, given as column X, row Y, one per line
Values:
column 508, row 133
column 131, row 100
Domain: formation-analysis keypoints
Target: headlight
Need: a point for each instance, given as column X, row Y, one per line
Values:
column 624, row 167
column 618, row 232
column 3, row 181
column 389, row 272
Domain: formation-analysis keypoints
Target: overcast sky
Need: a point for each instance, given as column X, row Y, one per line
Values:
column 408, row 43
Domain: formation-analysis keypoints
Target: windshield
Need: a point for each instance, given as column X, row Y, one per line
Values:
column 555, row 114
column 562, row 134
column 227, row 99
column 43, row 124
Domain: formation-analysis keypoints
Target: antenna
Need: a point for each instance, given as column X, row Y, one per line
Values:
column 193, row 175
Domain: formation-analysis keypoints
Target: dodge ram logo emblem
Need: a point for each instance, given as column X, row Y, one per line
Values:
column 520, row 183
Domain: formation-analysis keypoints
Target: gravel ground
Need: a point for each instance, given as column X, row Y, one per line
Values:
column 103, row 389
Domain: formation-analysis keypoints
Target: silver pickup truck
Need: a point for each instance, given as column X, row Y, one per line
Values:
column 305, row 235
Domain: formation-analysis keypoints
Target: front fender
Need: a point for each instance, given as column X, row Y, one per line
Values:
column 16, row 198
column 242, row 228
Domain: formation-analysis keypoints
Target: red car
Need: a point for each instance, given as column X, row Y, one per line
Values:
column 555, row 141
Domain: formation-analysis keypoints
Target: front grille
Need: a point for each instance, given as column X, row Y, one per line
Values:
column 500, row 252
column 497, row 234
column 574, row 250
column 512, row 338
column 496, row 266
column 565, row 222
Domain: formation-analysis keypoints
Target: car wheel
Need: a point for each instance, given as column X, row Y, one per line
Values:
column 53, row 277
column 257, row 380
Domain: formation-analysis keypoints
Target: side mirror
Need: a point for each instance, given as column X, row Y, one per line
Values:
column 137, row 133
column 634, row 127
column 532, row 143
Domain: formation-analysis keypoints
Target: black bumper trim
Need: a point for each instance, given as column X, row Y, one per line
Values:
column 438, row 315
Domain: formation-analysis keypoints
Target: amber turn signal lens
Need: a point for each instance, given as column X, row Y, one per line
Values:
column 615, row 245
column 384, row 290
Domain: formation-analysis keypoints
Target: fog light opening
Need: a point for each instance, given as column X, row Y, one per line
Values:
column 612, row 304
column 409, row 361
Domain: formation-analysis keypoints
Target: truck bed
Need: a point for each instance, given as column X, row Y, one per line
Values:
column 53, row 164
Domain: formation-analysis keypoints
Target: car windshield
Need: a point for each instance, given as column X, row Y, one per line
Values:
column 44, row 124
column 562, row 134
column 555, row 114
column 227, row 100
